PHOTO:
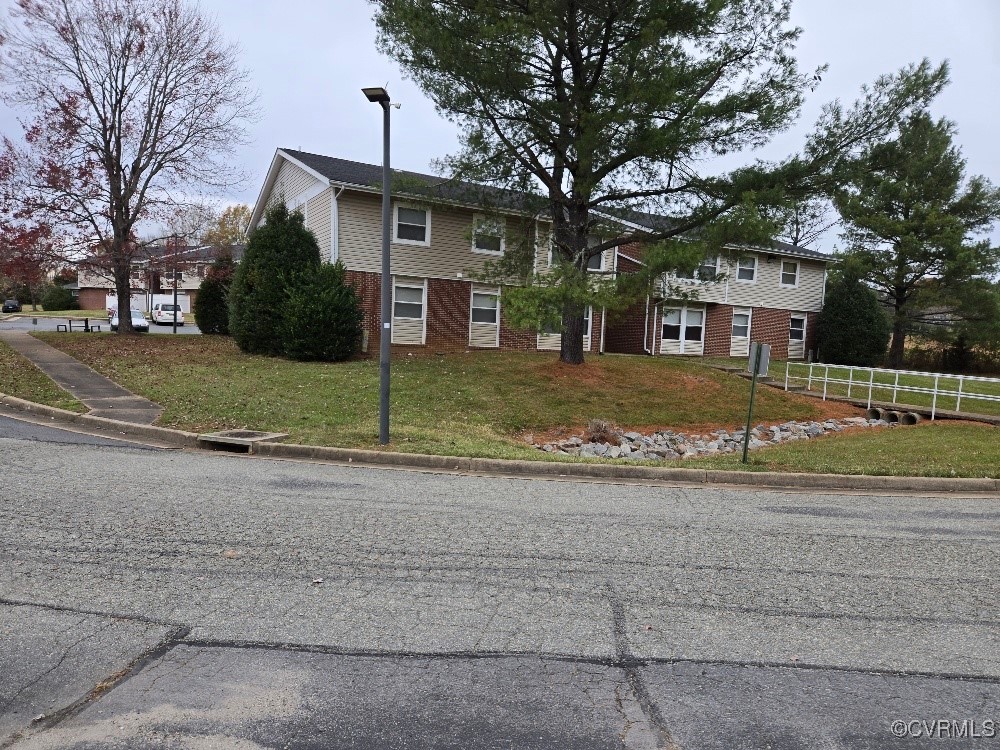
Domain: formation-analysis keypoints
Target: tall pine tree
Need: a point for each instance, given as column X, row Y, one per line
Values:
column 913, row 221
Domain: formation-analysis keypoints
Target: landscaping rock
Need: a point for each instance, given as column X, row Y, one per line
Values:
column 666, row 445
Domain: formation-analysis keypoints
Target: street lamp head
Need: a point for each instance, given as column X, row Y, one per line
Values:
column 377, row 95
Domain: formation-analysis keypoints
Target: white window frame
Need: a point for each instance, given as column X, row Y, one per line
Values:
column 395, row 225
column 781, row 274
column 472, row 306
column 477, row 221
column 423, row 299
column 756, row 268
column 805, row 324
column 732, row 325
column 684, row 309
column 715, row 270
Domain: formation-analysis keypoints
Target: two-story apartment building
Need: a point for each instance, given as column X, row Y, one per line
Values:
column 155, row 273
column 439, row 245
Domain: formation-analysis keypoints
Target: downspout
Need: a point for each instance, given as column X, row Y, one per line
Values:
column 604, row 310
column 335, row 225
column 645, row 330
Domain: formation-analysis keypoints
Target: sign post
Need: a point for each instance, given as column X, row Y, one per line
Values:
column 758, row 364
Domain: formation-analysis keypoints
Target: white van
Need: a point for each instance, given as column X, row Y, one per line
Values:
column 164, row 312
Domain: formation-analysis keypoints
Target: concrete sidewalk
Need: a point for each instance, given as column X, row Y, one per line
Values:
column 102, row 396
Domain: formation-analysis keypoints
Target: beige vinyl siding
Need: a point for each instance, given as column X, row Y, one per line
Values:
column 409, row 330
column 484, row 335
column 766, row 289
column 542, row 245
column 552, row 342
column 318, row 221
column 291, row 181
column 448, row 255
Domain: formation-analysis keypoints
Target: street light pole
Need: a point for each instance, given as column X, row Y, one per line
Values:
column 381, row 97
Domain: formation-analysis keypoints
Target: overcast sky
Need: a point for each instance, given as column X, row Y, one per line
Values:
column 310, row 59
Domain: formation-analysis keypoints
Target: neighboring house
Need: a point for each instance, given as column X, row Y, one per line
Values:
column 438, row 242
column 152, row 274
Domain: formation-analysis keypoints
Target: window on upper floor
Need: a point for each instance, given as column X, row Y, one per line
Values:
column 746, row 268
column 412, row 226
column 789, row 273
column 487, row 236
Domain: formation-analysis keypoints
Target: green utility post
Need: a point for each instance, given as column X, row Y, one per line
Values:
column 760, row 359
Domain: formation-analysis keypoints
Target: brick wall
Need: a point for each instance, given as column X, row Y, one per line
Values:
column 92, row 299
column 770, row 326
column 718, row 330
column 625, row 333
column 448, row 309
column 811, row 320
column 368, row 287
column 448, row 315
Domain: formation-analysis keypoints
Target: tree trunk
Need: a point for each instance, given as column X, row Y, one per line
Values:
column 571, row 346
column 897, row 346
column 122, row 267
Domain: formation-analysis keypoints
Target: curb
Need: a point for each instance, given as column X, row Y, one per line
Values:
column 162, row 434
column 527, row 469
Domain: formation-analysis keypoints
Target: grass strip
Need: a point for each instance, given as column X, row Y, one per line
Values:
column 20, row 378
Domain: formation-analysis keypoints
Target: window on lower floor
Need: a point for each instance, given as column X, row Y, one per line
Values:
column 683, row 324
column 672, row 324
column 741, row 325
column 408, row 302
column 485, row 308
column 797, row 328
column 694, row 325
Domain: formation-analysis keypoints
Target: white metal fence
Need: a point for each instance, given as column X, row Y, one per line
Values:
column 860, row 381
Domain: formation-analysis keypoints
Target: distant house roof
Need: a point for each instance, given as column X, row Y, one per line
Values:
column 193, row 253
column 369, row 177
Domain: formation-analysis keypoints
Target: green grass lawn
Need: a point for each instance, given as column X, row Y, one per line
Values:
column 482, row 404
column 478, row 404
column 20, row 378
column 933, row 449
column 27, row 312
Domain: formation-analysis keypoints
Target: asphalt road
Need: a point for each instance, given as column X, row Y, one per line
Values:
column 173, row 599
column 23, row 322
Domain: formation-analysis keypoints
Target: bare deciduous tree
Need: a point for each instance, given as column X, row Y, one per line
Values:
column 131, row 104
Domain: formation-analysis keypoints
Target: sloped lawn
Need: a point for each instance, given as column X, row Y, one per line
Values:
column 479, row 404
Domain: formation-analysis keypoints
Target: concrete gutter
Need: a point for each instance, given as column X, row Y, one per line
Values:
column 527, row 469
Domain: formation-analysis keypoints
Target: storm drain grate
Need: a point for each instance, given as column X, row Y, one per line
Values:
column 239, row 441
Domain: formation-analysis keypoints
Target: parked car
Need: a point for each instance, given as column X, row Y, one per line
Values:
column 11, row 305
column 139, row 322
column 164, row 312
